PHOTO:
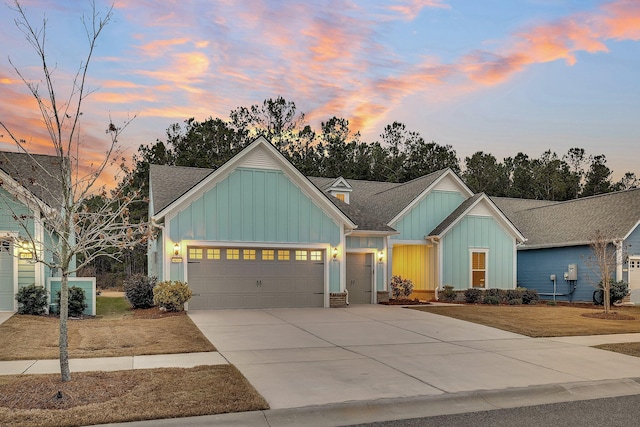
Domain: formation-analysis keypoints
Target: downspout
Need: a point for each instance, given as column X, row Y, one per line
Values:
column 436, row 242
column 344, row 251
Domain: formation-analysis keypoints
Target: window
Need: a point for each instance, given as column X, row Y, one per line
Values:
column 283, row 255
column 301, row 255
column 315, row 255
column 268, row 254
column 213, row 253
column 340, row 196
column 248, row 254
column 5, row 246
column 195, row 253
column 478, row 269
column 233, row 253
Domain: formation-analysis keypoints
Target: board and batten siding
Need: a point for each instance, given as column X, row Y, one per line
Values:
column 257, row 206
column 535, row 267
column 10, row 206
column 426, row 215
column 482, row 233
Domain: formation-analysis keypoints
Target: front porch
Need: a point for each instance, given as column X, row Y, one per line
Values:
column 418, row 264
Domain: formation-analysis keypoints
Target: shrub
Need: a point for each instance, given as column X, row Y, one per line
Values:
column 472, row 295
column 491, row 299
column 32, row 299
column 530, row 296
column 448, row 294
column 515, row 301
column 401, row 288
column 138, row 289
column 171, row 296
column 617, row 291
column 500, row 294
column 516, row 293
column 77, row 302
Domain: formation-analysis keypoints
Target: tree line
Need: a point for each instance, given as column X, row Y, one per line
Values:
column 399, row 155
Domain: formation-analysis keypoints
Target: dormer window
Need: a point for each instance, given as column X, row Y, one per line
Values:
column 340, row 189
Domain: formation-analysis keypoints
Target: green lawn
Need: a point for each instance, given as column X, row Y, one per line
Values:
column 112, row 306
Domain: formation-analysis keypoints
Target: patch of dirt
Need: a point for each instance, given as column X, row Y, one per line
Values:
column 111, row 294
column 612, row 315
column 49, row 392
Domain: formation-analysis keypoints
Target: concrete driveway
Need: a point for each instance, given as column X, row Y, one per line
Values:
column 302, row 357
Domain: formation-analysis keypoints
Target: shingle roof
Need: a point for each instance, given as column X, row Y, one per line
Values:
column 574, row 222
column 38, row 173
column 168, row 183
column 453, row 216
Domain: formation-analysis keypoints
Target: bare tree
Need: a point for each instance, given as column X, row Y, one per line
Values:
column 79, row 229
column 603, row 260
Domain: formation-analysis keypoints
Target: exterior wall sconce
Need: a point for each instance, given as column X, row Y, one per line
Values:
column 176, row 258
column 25, row 250
column 334, row 253
column 380, row 256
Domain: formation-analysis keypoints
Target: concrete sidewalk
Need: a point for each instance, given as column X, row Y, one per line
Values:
column 52, row 366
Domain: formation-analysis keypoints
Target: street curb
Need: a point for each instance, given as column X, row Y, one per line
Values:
column 347, row 413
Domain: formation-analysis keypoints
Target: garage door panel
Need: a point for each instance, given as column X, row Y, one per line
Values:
column 260, row 278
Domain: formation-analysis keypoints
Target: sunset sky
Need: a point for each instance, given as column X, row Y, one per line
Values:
column 501, row 76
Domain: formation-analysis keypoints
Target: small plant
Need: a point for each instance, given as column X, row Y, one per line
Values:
column 448, row 294
column 530, row 296
column 401, row 288
column 491, row 299
column 472, row 295
column 32, row 299
column 138, row 290
column 171, row 296
column 515, row 301
column 500, row 294
column 77, row 302
column 516, row 293
column 617, row 291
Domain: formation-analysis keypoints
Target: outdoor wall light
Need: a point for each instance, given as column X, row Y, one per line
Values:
column 380, row 256
column 176, row 249
column 25, row 250
column 334, row 253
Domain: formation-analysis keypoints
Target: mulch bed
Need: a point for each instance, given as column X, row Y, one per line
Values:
column 155, row 313
column 404, row 302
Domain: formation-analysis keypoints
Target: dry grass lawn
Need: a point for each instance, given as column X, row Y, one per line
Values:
column 111, row 397
column 116, row 332
column 541, row 320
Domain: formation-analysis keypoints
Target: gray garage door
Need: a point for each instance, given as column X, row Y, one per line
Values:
column 359, row 278
column 255, row 277
column 6, row 276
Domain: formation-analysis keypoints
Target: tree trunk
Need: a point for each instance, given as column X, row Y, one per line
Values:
column 606, row 287
column 64, row 317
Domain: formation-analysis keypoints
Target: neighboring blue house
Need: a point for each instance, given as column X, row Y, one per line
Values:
column 26, row 190
column 557, row 250
column 257, row 233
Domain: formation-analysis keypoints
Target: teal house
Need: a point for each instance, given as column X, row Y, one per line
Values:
column 257, row 233
column 26, row 191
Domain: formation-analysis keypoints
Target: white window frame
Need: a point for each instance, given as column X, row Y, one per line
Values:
column 486, row 267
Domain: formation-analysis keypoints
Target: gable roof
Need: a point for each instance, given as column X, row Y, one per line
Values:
column 170, row 182
column 574, row 222
column 466, row 207
column 37, row 173
column 193, row 189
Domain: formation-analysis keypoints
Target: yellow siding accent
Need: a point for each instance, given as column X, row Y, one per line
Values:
column 412, row 262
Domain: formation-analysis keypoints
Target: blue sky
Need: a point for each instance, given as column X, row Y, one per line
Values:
column 500, row 76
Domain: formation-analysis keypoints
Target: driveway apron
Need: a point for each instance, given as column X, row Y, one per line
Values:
column 317, row 356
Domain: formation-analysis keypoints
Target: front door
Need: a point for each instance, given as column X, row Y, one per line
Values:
column 634, row 279
column 360, row 278
column 6, row 276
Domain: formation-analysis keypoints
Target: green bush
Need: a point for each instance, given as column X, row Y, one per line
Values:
column 472, row 295
column 32, row 299
column 617, row 291
column 77, row 302
column 530, row 296
column 171, row 296
column 491, row 299
column 401, row 288
column 138, row 290
column 500, row 294
column 448, row 294
column 515, row 301
column 517, row 293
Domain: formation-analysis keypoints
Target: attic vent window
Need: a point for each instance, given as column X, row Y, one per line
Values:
column 340, row 196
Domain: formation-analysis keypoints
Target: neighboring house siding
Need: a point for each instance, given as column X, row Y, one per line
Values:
column 427, row 214
column 632, row 248
column 536, row 266
column 252, row 205
column 87, row 284
column 483, row 233
column 8, row 207
column 27, row 274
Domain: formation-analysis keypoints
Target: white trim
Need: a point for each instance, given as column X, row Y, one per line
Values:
column 22, row 194
column 184, row 245
column 631, row 231
column 373, row 233
column 409, row 242
column 14, row 255
column 341, row 258
column 423, row 194
column 486, row 266
column 70, row 280
column 515, row 264
column 226, row 169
